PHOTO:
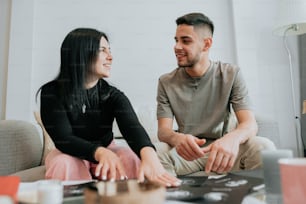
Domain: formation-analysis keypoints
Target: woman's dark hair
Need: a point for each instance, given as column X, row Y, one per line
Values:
column 79, row 51
column 196, row 20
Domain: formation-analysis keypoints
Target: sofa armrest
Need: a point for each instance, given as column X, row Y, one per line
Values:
column 21, row 146
column 32, row 174
column 268, row 127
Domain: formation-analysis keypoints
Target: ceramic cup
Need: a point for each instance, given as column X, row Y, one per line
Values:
column 271, row 168
column 272, row 173
column 50, row 192
column 293, row 180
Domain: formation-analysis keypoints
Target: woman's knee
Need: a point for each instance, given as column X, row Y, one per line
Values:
column 127, row 155
column 65, row 167
column 61, row 159
column 130, row 161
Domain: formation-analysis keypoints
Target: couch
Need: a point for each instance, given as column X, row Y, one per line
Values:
column 21, row 151
column 24, row 145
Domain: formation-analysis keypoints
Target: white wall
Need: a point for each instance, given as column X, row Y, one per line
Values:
column 264, row 54
column 141, row 35
column 5, row 8
column 20, row 62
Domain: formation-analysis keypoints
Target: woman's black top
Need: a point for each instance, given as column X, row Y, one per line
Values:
column 80, row 130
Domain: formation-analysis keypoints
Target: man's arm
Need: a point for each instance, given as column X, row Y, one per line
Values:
column 166, row 133
column 187, row 146
column 224, row 151
column 247, row 126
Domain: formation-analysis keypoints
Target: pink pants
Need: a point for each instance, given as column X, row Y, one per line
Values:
column 65, row 167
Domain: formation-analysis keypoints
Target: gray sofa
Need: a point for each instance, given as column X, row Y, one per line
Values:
column 23, row 149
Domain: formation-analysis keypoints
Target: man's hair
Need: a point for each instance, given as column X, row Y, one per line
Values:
column 196, row 20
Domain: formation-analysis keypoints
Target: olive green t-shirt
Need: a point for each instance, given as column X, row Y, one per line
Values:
column 202, row 106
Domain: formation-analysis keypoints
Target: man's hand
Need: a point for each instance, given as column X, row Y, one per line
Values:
column 188, row 147
column 223, row 153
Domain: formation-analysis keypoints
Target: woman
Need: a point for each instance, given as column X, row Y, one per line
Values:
column 78, row 109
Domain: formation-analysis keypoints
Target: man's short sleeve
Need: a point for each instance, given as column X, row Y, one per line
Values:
column 163, row 104
column 240, row 99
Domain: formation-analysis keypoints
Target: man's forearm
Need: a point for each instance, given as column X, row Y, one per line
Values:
column 244, row 131
column 168, row 136
column 247, row 126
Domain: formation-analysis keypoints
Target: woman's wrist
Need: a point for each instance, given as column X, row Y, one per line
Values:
column 98, row 152
column 147, row 152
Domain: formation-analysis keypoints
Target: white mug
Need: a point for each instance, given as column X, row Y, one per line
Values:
column 50, row 192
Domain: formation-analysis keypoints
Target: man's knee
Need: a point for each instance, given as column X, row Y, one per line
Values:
column 261, row 143
column 162, row 147
column 249, row 154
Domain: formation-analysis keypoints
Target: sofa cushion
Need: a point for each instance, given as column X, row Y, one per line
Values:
column 268, row 127
column 21, row 146
column 32, row 174
column 48, row 143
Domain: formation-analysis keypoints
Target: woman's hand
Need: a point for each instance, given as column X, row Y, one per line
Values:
column 152, row 169
column 109, row 166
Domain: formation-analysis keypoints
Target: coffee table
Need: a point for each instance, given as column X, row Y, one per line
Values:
column 256, row 197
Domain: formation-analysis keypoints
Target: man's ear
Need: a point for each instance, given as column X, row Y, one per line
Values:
column 207, row 43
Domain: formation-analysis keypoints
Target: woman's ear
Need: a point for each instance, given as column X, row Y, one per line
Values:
column 207, row 43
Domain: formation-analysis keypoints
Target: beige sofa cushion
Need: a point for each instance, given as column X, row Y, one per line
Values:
column 21, row 146
column 48, row 143
column 32, row 174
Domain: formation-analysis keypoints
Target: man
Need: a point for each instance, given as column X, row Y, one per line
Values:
column 200, row 95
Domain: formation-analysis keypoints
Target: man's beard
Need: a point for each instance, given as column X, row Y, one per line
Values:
column 186, row 64
column 189, row 63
